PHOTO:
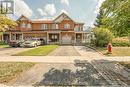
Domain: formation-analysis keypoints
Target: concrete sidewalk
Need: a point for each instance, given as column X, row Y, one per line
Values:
column 57, row 59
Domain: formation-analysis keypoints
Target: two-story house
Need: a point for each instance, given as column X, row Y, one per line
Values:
column 61, row 30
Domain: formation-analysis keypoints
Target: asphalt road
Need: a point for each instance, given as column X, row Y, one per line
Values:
column 79, row 73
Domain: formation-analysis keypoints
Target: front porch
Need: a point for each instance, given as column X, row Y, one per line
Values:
column 51, row 37
column 66, row 38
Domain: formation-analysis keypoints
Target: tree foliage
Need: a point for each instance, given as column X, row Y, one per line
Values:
column 116, row 16
column 102, row 37
column 6, row 23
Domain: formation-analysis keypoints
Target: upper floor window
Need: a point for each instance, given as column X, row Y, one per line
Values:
column 29, row 26
column 67, row 26
column 44, row 26
column 57, row 26
column 23, row 25
column 78, row 28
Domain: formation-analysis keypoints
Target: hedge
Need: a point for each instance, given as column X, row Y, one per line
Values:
column 3, row 43
column 121, row 44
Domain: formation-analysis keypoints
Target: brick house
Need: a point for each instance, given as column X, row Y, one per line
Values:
column 61, row 30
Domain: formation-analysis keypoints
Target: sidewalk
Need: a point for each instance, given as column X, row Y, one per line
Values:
column 57, row 59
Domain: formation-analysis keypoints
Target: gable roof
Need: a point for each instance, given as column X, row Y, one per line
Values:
column 58, row 19
column 24, row 17
column 61, row 17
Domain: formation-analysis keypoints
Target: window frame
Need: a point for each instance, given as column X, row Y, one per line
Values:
column 66, row 26
column 44, row 26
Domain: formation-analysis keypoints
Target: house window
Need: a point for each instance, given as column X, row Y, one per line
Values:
column 57, row 26
column 44, row 26
column 23, row 25
column 29, row 26
column 67, row 26
column 77, row 28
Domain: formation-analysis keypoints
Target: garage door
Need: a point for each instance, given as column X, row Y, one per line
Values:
column 66, row 39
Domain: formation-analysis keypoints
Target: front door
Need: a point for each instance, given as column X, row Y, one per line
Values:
column 78, row 39
column 53, row 38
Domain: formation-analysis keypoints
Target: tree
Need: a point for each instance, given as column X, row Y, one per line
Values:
column 6, row 23
column 99, row 18
column 116, row 16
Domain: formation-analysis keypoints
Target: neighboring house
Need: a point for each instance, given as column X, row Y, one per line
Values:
column 61, row 30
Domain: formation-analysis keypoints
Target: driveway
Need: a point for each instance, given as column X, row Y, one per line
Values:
column 87, row 52
column 75, row 51
column 11, row 50
column 65, row 51
column 85, row 73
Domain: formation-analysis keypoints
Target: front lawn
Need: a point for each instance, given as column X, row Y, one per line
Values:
column 3, row 45
column 40, row 51
column 9, row 71
column 117, row 51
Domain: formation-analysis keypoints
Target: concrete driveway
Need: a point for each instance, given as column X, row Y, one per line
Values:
column 65, row 51
column 11, row 50
column 75, row 51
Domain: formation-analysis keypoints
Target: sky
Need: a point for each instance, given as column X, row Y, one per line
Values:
column 79, row 10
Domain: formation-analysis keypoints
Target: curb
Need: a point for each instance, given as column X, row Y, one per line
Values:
column 95, row 50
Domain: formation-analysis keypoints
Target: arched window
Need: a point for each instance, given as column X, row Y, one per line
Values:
column 29, row 26
column 67, row 26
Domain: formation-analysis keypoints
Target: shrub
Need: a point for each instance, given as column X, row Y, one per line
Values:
column 102, row 37
column 121, row 39
column 3, row 43
column 121, row 44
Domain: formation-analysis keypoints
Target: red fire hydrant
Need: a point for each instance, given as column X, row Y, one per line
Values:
column 109, row 48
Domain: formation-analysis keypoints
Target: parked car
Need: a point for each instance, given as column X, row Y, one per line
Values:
column 16, row 43
column 42, row 41
column 34, row 42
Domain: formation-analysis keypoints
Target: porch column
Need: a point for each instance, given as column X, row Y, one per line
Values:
column 60, row 39
column 82, row 37
column 10, row 37
column 75, row 39
column 47, row 38
column 2, row 37
column 22, row 36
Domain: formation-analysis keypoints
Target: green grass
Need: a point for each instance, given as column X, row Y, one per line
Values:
column 117, row 51
column 40, row 51
column 4, row 46
column 9, row 71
